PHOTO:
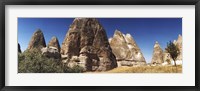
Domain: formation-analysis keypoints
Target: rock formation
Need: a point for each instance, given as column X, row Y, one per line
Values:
column 37, row 41
column 126, row 50
column 178, row 43
column 53, row 49
column 19, row 48
column 86, row 44
column 51, row 52
column 157, row 54
column 167, row 58
column 54, row 43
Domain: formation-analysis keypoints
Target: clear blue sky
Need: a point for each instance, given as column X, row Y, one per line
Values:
column 145, row 31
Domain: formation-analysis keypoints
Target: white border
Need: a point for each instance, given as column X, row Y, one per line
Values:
column 187, row 78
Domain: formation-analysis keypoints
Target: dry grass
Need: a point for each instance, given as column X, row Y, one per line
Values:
column 147, row 69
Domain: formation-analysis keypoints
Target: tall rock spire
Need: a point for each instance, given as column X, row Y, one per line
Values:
column 119, row 45
column 37, row 41
column 125, row 49
column 157, row 54
column 54, row 43
column 178, row 43
column 87, row 36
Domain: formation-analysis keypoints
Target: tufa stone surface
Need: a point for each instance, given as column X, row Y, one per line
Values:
column 86, row 39
column 178, row 43
column 157, row 57
column 51, row 52
column 54, row 43
column 126, row 50
column 167, row 58
column 37, row 40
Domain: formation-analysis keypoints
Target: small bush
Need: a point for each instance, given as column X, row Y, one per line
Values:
column 74, row 69
column 77, row 69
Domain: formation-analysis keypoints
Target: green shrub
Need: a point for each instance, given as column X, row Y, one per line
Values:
column 74, row 69
column 32, row 61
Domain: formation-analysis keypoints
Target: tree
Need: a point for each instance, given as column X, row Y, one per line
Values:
column 173, row 50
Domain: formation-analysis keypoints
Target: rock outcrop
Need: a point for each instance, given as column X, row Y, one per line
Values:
column 19, row 48
column 51, row 52
column 178, row 43
column 54, row 43
column 86, row 45
column 157, row 57
column 167, row 58
column 53, row 49
column 126, row 50
column 37, row 41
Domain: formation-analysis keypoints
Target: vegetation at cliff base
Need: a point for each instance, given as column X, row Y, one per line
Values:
column 32, row 61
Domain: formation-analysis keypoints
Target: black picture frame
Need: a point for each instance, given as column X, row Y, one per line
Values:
column 3, row 3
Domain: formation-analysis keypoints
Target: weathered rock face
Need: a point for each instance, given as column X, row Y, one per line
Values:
column 51, row 52
column 157, row 54
column 54, row 43
column 87, row 40
column 126, row 50
column 119, row 46
column 179, row 44
column 167, row 58
column 19, row 48
column 37, row 41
